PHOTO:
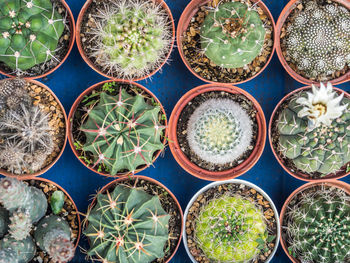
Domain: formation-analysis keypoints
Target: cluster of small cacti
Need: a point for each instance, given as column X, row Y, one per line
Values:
column 127, row 225
column 219, row 131
column 23, row 211
column 230, row 229
column 232, row 34
column 122, row 132
column 134, row 37
column 318, row 40
column 314, row 131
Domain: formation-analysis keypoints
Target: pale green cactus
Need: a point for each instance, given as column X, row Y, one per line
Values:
column 20, row 224
column 15, row 251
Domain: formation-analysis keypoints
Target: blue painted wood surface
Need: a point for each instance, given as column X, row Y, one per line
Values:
column 169, row 85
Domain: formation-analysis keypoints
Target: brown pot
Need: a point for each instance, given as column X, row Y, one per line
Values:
column 192, row 168
column 297, row 174
column 280, row 22
column 92, row 65
column 137, row 177
column 75, row 106
column 191, row 9
column 71, row 44
column 334, row 183
column 45, row 169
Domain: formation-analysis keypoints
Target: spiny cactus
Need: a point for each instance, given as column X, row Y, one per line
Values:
column 230, row 229
column 134, row 37
column 13, row 93
column 20, row 224
column 4, row 221
column 219, row 131
column 318, row 40
column 29, row 33
column 127, row 225
column 122, row 132
column 317, row 226
column 232, row 34
column 14, row 251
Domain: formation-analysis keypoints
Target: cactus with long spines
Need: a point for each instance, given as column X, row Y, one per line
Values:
column 4, row 221
column 127, row 225
column 16, row 251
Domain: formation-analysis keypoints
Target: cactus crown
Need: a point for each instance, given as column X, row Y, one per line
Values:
column 127, row 225
column 29, row 33
column 318, row 40
column 317, row 225
column 219, row 131
column 232, row 35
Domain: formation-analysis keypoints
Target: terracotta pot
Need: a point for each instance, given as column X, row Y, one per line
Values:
column 71, row 44
column 280, row 22
column 335, row 183
column 75, row 106
column 297, row 174
column 191, row 10
column 91, row 64
column 45, row 169
column 140, row 177
column 192, row 168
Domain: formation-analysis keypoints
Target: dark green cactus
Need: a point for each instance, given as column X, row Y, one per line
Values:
column 4, row 221
column 29, row 32
column 15, row 251
column 127, row 226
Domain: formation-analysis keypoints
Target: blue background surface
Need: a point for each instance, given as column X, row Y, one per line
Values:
column 74, row 76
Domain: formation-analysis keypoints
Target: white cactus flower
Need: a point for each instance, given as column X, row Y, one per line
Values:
column 321, row 106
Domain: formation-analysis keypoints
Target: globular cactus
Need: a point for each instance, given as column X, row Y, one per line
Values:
column 317, row 226
column 122, row 132
column 230, row 229
column 14, row 251
column 20, row 224
column 29, row 33
column 314, row 131
column 13, row 93
column 127, row 225
column 4, row 221
column 219, row 131
column 134, row 37
column 318, row 40
column 52, row 235
column 232, row 34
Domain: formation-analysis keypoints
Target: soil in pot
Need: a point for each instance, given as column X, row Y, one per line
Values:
column 206, row 68
column 231, row 190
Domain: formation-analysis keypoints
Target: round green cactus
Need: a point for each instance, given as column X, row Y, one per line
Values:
column 232, row 35
column 29, row 32
column 17, row 251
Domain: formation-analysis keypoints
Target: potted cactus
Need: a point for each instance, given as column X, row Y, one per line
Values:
column 227, row 41
column 36, row 36
column 147, row 225
column 231, row 221
column 309, row 133
column 38, row 220
column 117, row 128
column 32, row 128
column 315, row 223
column 125, row 39
column 312, row 40
column 217, row 132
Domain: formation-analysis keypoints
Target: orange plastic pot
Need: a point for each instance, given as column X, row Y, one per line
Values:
column 45, row 169
column 71, row 44
column 191, row 10
column 75, row 106
column 92, row 65
column 334, row 183
column 192, row 168
column 297, row 174
column 280, row 22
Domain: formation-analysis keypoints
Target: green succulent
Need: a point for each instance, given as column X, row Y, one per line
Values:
column 16, row 251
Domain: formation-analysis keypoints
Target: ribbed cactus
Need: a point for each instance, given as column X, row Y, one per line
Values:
column 230, row 229
column 232, row 34
column 219, row 131
column 122, row 132
column 318, row 40
column 12, row 94
column 29, row 32
column 4, row 221
column 315, row 132
column 20, row 224
column 127, row 226
column 14, row 251
column 318, row 226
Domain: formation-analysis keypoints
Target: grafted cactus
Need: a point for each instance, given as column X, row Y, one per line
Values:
column 14, row 251
column 20, row 224
column 232, row 35
column 4, row 221
column 230, row 229
column 127, row 225
column 29, row 32
column 122, row 132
